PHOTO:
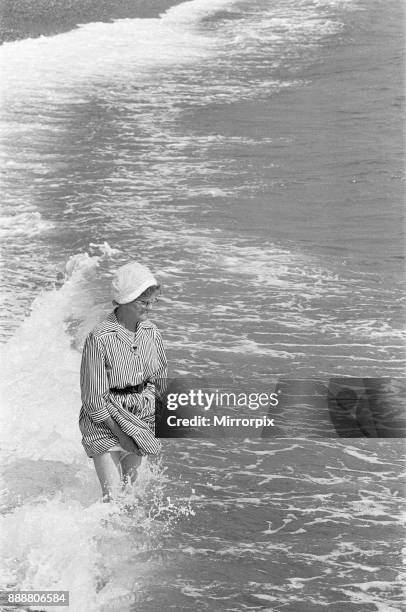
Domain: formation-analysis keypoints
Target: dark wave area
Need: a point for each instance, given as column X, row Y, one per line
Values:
column 32, row 18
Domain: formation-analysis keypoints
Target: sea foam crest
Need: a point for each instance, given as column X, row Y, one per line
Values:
column 195, row 10
column 43, row 362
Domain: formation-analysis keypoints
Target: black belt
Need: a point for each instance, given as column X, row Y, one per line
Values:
column 134, row 389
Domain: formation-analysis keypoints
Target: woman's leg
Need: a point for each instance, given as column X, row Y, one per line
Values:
column 108, row 470
column 129, row 464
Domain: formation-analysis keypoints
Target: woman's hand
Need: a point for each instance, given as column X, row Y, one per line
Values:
column 128, row 443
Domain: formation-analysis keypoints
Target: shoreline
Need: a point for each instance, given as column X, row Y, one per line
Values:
column 20, row 19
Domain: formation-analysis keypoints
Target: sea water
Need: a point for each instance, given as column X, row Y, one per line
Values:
column 251, row 154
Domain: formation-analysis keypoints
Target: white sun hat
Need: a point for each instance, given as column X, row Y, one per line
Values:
column 130, row 281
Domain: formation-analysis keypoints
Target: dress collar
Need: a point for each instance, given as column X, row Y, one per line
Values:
column 125, row 334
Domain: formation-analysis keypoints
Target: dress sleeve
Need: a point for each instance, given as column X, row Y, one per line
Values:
column 93, row 380
column 160, row 376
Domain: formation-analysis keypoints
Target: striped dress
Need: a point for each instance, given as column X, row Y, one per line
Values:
column 115, row 357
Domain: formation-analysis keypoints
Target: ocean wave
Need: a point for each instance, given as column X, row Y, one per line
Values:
column 72, row 65
column 42, row 349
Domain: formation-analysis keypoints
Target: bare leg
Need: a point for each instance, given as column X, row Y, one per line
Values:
column 130, row 463
column 108, row 470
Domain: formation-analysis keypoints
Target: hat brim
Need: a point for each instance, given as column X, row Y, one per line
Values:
column 130, row 297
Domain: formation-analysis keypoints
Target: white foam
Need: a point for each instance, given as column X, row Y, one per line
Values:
column 194, row 11
column 23, row 224
column 56, row 549
column 368, row 458
column 62, row 68
column 89, row 549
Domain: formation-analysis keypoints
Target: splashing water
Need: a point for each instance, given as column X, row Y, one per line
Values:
column 70, row 540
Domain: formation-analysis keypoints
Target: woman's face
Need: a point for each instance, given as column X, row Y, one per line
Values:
column 140, row 307
column 137, row 311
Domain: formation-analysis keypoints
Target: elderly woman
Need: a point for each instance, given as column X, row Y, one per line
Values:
column 123, row 365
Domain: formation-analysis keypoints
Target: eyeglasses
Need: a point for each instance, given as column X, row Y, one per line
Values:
column 148, row 303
